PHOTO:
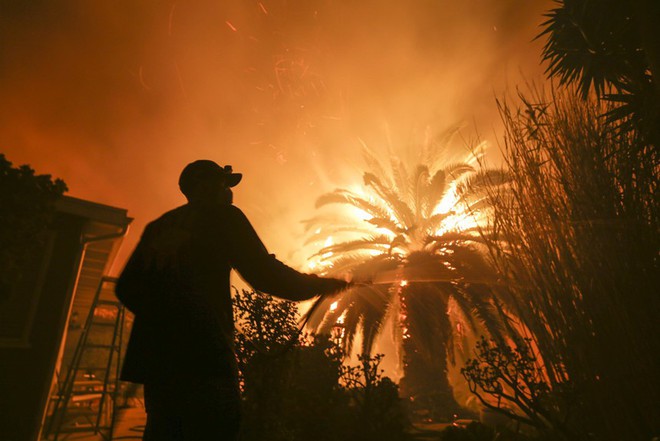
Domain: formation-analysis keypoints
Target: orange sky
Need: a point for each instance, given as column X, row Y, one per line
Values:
column 116, row 97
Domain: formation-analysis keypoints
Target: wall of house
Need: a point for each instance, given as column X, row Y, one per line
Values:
column 27, row 365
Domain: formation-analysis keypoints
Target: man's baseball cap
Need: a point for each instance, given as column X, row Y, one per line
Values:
column 204, row 169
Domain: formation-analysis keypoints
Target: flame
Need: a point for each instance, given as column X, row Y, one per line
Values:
column 459, row 219
column 448, row 202
column 328, row 242
column 361, row 214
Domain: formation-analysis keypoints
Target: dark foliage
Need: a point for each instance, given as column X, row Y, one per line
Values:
column 26, row 210
column 296, row 387
column 472, row 432
column 577, row 248
column 506, row 378
column 378, row 413
column 610, row 47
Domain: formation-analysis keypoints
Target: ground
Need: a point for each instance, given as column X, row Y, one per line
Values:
column 129, row 425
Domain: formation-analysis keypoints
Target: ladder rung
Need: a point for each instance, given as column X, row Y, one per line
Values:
column 109, row 302
column 76, row 429
column 91, row 368
column 82, row 428
column 85, row 396
column 109, row 325
column 95, row 346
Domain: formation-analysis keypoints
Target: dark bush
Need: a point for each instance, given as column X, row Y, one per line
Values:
column 296, row 387
column 472, row 432
column 26, row 210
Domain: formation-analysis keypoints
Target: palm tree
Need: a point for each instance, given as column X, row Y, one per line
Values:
column 611, row 47
column 415, row 233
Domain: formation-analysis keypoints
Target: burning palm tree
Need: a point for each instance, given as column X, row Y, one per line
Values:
column 415, row 234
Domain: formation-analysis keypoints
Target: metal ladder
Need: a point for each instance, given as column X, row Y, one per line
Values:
column 86, row 401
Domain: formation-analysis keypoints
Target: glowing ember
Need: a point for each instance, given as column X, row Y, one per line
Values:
column 403, row 283
column 333, row 306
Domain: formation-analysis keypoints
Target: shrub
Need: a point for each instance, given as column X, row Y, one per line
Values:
column 577, row 249
column 26, row 210
column 296, row 387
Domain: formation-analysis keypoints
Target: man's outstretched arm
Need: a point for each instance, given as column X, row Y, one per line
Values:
column 264, row 272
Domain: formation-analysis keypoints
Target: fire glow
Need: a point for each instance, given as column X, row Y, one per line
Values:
column 394, row 213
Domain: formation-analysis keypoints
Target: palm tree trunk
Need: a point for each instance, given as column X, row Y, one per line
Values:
column 425, row 382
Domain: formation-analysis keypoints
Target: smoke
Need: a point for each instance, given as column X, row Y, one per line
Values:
column 116, row 97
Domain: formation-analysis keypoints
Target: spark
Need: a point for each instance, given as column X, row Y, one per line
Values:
column 334, row 306
column 231, row 26
column 263, row 8
column 403, row 283
column 180, row 78
column 141, row 75
column 169, row 27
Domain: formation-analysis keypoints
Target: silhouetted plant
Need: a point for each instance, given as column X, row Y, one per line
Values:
column 472, row 432
column 26, row 210
column 510, row 380
column 379, row 413
column 610, row 47
column 296, row 388
column 577, row 248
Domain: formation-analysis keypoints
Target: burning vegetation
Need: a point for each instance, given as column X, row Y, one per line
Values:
column 413, row 233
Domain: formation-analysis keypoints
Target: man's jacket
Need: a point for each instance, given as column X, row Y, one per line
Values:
column 177, row 285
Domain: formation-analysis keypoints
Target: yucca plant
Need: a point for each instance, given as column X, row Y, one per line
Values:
column 577, row 247
column 414, row 233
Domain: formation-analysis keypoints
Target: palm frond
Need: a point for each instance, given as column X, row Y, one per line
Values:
column 323, row 235
column 420, row 184
column 482, row 308
column 438, row 187
column 483, row 181
column 373, row 163
column 374, row 302
column 379, row 243
column 400, row 209
column 450, row 238
column 433, row 223
column 386, row 223
column 458, row 170
column 400, row 175
column 351, row 324
column 435, row 150
column 347, row 262
column 346, row 197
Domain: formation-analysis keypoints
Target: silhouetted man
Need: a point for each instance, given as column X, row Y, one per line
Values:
column 177, row 285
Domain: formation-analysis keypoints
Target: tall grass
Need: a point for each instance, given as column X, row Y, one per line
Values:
column 577, row 245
